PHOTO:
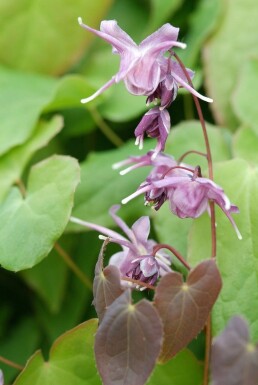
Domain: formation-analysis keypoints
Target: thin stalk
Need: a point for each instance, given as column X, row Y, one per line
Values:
column 105, row 129
column 209, row 157
column 21, row 187
column 191, row 152
column 11, row 363
column 212, row 214
column 173, row 251
column 68, row 260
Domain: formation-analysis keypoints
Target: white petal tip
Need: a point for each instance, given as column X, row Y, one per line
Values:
column 124, row 201
column 86, row 100
column 183, row 45
column 209, row 100
column 102, row 237
column 123, row 172
column 80, row 20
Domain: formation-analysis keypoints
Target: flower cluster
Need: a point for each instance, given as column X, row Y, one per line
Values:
column 154, row 70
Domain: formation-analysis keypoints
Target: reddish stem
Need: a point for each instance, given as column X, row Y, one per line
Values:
column 213, row 220
column 191, row 152
column 11, row 363
column 209, row 157
column 173, row 250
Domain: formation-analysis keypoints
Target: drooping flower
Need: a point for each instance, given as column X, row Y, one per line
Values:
column 156, row 124
column 136, row 260
column 187, row 192
column 143, row 67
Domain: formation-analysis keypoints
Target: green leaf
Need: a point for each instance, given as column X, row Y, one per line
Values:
column 71, row 360
column 34, row 223
column 171, row 229
column 245, row 94
column 101, row 186
column 174, row 371
column 10, row 169
column 161, row 10
column 245, row 144
column 202, row 23
column 48, row 39
column 22, row 99
column 237, row 260
column 237, row 33
column 68, row 93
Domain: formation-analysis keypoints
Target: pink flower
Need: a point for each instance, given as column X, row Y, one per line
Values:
column 187, row 192
column 143, row 67
column 136, row 259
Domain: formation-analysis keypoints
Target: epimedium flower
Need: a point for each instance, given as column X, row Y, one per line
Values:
column 143, row 67
column 156, row 124
column 187, row 192
column 136, row 260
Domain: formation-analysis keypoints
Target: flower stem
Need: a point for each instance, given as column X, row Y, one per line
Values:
column 191, row 152
column 11, row 363
column 212, row 214
column 209, row 157
column 68, row 260
column 105, row 129
column 173, row 251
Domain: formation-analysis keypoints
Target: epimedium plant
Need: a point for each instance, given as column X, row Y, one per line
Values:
column 149, row 331
column 175, row 256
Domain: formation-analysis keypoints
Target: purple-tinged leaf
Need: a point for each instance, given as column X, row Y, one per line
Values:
column 184, row 306
column 106, row 284
column 234, row 359
column 128, row 342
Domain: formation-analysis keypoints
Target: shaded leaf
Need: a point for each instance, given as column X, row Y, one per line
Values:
column 234, row 359
column 106, row 284
column 71, row 360
column 184, row 307
column 34, row 223
column 223, row 63
column 128, row 342
column 237, row 260
column 19, row 116
column 14, row 161
column 246, row 93
column 49, row 39
column 174, row 371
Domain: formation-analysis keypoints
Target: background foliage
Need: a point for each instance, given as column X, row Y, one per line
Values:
column 47, row 138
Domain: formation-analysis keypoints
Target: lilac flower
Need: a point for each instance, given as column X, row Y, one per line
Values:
column 143, row 67
column 156, row 124
column 135, row 260
column 188, row 194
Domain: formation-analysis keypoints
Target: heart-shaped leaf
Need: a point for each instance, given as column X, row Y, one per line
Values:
column 234, row 359
column 71, row 360
column 128, row 342
column 10, row 168
column 34, row 223
column 106, row 284
column 184, row 306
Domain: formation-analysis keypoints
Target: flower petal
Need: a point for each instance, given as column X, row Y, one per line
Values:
column 141, row 229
